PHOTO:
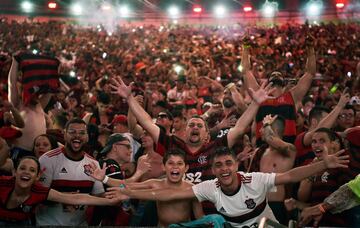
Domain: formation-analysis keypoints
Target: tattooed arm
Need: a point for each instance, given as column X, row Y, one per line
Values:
column 341, row 200
column 274, row 141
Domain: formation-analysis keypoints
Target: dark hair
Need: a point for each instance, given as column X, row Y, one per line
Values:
column 103, row 98
column 29, row 157
column 330, row 133
column 349, row 106
column 52, row 140
column 199, row 117
column 174, row 152
column 279, row 124
column 316, row 112
column 307, row 99
column 60, row 119
column 333, row 136
column 75, row 120
column 222, row 151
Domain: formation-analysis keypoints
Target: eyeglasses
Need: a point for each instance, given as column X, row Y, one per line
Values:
column 73, row 132
column 347, row 116
column 128, row 146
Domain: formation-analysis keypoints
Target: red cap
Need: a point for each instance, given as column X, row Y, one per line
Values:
column 119, row 119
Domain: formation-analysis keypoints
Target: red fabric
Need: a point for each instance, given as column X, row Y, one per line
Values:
column 8, row 132
column 40, row 75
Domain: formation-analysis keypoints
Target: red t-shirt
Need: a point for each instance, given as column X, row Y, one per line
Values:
column 304, row 153
column 25, row 210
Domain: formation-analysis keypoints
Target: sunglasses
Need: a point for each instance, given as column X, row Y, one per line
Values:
column 162, row 116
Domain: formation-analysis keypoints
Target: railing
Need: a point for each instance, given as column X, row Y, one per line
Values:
column 264, row 222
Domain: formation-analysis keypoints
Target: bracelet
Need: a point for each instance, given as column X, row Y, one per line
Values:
column 105, row 180
column 322, row 208
column 266, row 125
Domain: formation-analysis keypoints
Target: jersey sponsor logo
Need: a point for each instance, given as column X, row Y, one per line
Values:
column 193, row 177
column 250, row 203
column 202, row 159
column 63, row 170
column 325, row 177
column 223, row 132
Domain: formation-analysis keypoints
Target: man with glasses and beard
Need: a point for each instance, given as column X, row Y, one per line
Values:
column 285, row 100
column 63, row 169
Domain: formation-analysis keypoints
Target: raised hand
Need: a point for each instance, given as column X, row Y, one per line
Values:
column 144, row 165
column 262, row 94
column 95, row 172
column 336, row 160
column 345, row 98
column 119, row 87
column 268, row 119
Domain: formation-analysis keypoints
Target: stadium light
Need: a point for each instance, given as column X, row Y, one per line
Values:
column 174, row 11
column 27, row 6
column 76, row 9
column 340, row 5
column 269, row 9
column 124, row 11
column 52, row 5
column 220, row 11
column 106, row 6
column 197, row 9
column 248, row 8
column 314, row 7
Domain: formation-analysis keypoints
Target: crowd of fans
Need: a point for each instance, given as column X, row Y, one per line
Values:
column 279, row 97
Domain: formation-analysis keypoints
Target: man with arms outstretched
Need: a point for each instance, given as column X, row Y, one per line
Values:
column 239, row 197
column 197, row 144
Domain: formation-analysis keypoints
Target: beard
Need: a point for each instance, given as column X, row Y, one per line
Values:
column 70, row 148
column 228, row 102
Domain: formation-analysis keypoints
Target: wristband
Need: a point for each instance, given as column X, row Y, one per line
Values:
column 105, row 180
column 266, row 125
column 322, row 209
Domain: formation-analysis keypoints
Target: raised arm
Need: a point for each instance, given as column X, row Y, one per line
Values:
column 13, row 96
column 336, row 160
column 274, row 141
column 247, row 117
column 249, row 78
column 329, row 120
column 302, row 87
column 145, row 120
column 134, row 128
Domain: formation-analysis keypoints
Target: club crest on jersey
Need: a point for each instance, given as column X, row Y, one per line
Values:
column 202, row 159
column 250, row 203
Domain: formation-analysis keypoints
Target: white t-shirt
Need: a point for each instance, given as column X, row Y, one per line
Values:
column 65, row 175
column 250, row 198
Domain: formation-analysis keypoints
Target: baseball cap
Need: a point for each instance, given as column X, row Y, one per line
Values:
column 121, row 119
column 114, row 138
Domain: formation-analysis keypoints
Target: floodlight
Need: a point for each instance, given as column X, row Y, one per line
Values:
column 314, row 7
column 173, row 11
column 269, row 9
column 77, row 9
column 124, row 11
column 27, row 6
column 220, row 11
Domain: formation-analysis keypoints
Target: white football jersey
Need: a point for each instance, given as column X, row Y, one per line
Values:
column 65, row 175
column 247, row 206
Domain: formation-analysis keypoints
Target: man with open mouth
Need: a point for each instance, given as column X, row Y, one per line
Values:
column 64, row 170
